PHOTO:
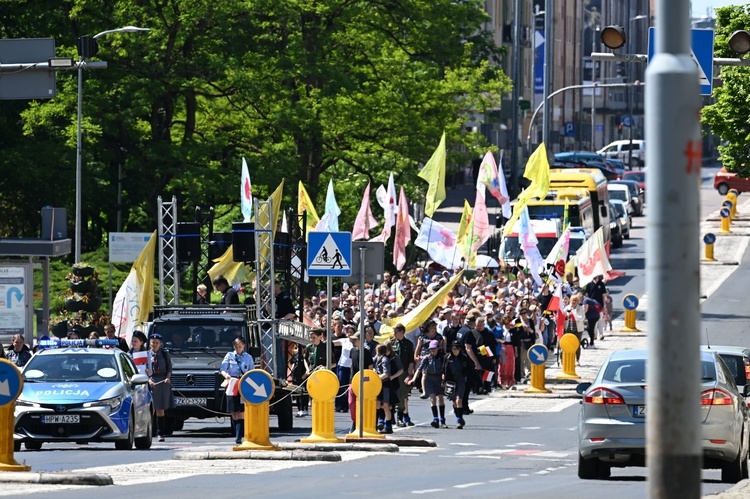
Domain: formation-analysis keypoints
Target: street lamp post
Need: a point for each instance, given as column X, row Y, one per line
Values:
column 594, row 36
column 632, row 48
column 87, row 47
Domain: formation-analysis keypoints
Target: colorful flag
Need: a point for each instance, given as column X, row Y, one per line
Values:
column 495, row 182
column 390, row 208
column 235, row 272
column 439, row 242
column 329, row 222
column 135, row 298
column 266, row 240
column 537, row 171
column 304, row 203
column 487, row 376
column 481, row 220
column 421, row 313
column 556, row 304
column 246, row 193
column 434, row 173
column 528, row 241
column 403, row 232
column 141, row 361
column 559, row 251
column 465, row 230
column 566, row 217
column 365, row 221
column 591, row 259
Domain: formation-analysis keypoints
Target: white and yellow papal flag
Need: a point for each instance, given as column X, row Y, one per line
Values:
column 135, row 299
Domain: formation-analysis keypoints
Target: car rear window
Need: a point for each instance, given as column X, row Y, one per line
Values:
column 736, row 365
column 634, row 371
column 618, row 194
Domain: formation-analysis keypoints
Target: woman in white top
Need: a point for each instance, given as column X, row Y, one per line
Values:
column 576, row 312
column 344, row 366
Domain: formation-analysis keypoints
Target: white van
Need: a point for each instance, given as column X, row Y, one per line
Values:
column 620, row 149
column 622, row 193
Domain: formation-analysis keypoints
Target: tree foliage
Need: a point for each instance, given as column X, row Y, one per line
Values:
column 729, row 116
column 304, row 89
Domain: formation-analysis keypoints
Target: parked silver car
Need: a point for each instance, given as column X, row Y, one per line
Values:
column 612, row 421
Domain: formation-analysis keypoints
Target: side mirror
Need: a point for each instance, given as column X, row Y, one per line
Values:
column 138, row 379
column 582, row 388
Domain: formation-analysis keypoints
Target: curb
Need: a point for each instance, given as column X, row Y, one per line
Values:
column 56, row 478
column 400, row 442
column 330, row 447
column 266, row 455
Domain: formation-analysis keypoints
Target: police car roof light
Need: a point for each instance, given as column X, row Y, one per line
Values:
column 77, row 343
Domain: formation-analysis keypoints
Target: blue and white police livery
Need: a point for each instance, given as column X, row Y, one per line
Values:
column 83, row 394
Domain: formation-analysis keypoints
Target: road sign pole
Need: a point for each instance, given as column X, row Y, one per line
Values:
column 329, row 311
column 673, row 136
column 256, row 389
column 537, row 356
column 361, row 400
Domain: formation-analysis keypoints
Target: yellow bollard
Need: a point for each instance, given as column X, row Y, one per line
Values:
column 729, row 204
column 256, row 388
column 709, row 239
column 372, row 386
column 725, row 221
column 569, row 345
column 537, row 355
column 323, row 386
column 733, row 210
column 630, row 304
column 12, row 382
column 736, row 194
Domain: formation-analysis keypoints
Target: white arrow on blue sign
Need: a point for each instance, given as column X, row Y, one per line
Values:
column 702, row 51
column 709, row 238
column 11, row 382
column 538, row 354
column 256, row 386
column 630, row 302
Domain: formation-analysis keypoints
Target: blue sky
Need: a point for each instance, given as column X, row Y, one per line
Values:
column 700, row 6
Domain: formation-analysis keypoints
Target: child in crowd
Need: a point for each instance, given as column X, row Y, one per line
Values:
column 432, row 367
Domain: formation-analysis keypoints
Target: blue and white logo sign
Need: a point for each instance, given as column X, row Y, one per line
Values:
column 569, row 129
column 329, row 254
column 630, row 302
column 256, row 386
column 724, row 213
column 538, row 354
column 11, row 382
column 702, row 51
column 709, row 238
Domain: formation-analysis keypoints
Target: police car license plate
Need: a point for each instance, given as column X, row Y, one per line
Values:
column 201, row 401
column 639, row 411
column 62, row 418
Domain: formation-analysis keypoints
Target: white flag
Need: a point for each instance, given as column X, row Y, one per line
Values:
column 246, row 193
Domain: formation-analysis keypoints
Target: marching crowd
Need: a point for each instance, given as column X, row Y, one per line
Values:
column 476, row 341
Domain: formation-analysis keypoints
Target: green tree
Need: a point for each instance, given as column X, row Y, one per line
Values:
column 729, row 116
column 306, row 90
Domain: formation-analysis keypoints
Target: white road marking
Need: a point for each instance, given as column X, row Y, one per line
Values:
column 426, row 491
column 467, row 485
column 552, row 453
column 463, row 444
column 483, row 452
column 501, row 480
column 525, row 444
column 531, row 427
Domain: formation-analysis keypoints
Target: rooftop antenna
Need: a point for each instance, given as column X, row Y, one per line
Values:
column 708, row 343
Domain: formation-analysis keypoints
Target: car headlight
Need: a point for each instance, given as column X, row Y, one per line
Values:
column 113, row 403
column 26, row 403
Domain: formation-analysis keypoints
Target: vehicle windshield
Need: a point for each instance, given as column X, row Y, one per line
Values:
column 736, row 365
column 78, row 367
column 618, row 194
column 634, row 371
column 196, row 337
column 512, row 250
column 638, row 177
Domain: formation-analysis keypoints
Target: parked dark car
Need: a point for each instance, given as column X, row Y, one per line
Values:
column 583, row 159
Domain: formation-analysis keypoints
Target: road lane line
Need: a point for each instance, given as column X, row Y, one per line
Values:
column 467, row 485
column 427, row 491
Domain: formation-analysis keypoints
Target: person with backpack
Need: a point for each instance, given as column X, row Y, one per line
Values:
column 456, row 369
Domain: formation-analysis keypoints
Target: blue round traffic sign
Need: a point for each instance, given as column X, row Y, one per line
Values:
column 256, row 386
column 11, row 382
column 709, row 238
column 538, row 354
column 630, row 302
column 724, row 213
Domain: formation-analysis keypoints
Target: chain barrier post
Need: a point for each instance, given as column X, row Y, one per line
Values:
column 322, row 385
column 569, row 344
column 367, row 419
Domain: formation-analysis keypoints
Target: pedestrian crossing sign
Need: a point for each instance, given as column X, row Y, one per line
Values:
column 701, row 51
column 329, row 254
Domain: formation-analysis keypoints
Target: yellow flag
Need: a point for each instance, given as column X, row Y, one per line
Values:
column 144, row 268
column 537, row 171
column 235, row 272
column 434, row 173
column 262, row 221
column 465, row 233
column 135, row 298
column 424, row 310
column 304, row 203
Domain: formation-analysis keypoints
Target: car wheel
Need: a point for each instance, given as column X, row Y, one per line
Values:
column 16, row 446
column 732, row 472
column 723, row 189
column 745, row 473
column 588, row 469
column 178, row 424
column 33, row 445
column 144, row 443
column 605, row 470
column 127, row 444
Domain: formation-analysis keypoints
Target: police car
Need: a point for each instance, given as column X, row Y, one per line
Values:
column 76, row 391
